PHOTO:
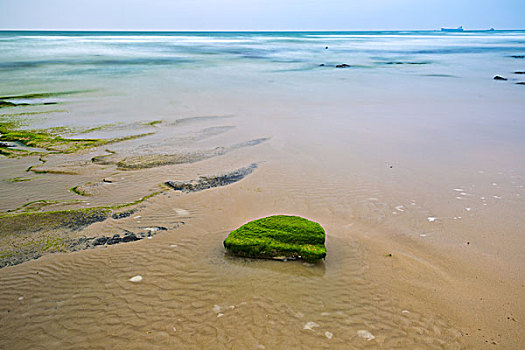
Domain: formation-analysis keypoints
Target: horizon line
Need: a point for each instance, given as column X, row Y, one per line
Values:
column 243, row 30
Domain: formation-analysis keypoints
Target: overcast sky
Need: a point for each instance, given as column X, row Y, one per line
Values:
column 261, row 14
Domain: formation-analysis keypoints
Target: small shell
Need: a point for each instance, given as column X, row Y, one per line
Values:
column 137, row 278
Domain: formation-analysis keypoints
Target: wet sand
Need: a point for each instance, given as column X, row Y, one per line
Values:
column 435, row 291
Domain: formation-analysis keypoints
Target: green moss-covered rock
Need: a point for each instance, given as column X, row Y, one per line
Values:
column 276, row 236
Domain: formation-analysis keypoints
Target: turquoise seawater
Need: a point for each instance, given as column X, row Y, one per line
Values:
column 59, row 56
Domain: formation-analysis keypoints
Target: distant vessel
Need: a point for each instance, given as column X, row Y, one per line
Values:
column 459, row 29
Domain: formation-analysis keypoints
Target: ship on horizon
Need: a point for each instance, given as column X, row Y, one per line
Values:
column 458, row 29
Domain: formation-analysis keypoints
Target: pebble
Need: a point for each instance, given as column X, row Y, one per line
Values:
column 328, row 335
column 365, row 334
column 431, row 219
column 468, row 209
column 220, row 314
column 310, row 325
column 173, row 245
column 20, row 298
column 137, row 278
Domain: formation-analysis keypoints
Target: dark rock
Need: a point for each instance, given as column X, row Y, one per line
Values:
column 519, row 72
column 100, row 241
column 321, row 65
column 518, row 56
column 5, row 145
column 326, row 48
column 498, row 77
column 410, row 63
column 205, row 182
column 114, row 240
column 344, row 65
column 130, row 238
column 521, row 83
column 124, row 214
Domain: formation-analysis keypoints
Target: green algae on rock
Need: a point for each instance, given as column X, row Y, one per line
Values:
column 278, row 236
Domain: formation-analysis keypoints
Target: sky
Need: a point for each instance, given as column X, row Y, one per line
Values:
column 260, row 14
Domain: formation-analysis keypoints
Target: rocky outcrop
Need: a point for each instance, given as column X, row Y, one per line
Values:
column 279, row 237
column 206, row 182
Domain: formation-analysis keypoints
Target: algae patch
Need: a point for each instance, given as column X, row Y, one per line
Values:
column 278, row 237
column 50, row 141
column 31, row 233
column 74, row 219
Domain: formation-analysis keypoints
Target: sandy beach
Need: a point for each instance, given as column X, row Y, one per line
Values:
column 411, row 159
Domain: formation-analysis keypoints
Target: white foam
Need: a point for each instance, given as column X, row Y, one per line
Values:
column 365, row 334
column 173, row 245
column 459, row 190
column 137, row 217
